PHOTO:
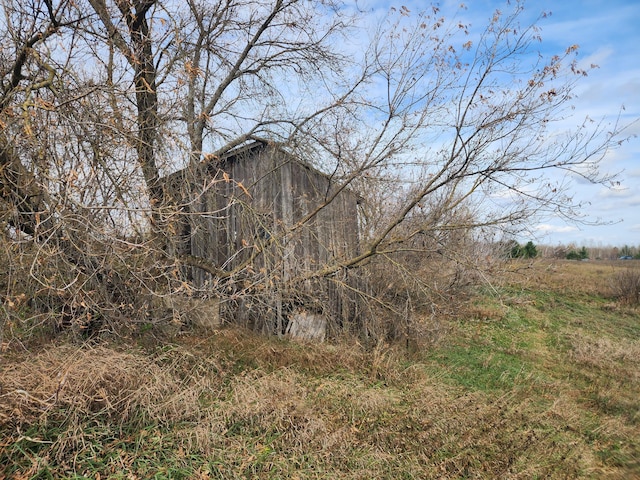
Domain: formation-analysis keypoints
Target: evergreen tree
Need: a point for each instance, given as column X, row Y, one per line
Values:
column 530, row 250
column 516, row 250
column 583, row 253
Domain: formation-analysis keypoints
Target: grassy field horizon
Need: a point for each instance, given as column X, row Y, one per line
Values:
column 537, row 377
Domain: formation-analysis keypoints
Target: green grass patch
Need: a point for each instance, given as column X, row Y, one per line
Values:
column 479, row 368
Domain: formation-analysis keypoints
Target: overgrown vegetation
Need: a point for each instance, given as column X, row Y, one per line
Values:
column 106, row 254
column 537, row 377
column 102, row 101
column 626, row 285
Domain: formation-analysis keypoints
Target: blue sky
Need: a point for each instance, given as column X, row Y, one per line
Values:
column 608, row 35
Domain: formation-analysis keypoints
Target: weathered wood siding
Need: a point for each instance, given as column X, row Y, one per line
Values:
column 257, row 196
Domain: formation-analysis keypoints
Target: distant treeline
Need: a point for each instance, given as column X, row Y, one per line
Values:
column 514, row 249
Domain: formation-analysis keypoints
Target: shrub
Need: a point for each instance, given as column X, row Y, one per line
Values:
column 530, row 250
column 626, row 286
column 581, row 254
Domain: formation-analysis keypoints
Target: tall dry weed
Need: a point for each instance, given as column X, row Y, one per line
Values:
column 84, row 381
column 625, row 285
column 67, row 388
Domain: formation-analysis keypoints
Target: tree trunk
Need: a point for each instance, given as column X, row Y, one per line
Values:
column 24, row 197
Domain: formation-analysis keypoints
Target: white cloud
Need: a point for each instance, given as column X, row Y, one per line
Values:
column 599, row 57
column 548, row 228
column 616, row 191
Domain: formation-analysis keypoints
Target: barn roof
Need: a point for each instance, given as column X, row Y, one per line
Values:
column 254, row 144
column 212, row 164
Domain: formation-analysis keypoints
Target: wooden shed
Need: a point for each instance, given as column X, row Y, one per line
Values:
column 272, row 218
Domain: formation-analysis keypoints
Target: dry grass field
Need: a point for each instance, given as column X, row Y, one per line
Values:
column 537, row 377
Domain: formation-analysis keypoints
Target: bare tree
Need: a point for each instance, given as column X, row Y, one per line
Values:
column 439, row 131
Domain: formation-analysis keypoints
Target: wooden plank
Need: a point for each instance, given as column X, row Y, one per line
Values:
column 282, row 192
